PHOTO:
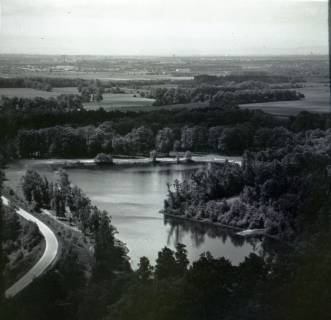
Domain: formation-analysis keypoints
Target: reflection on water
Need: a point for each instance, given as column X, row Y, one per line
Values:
column 133, row 196
column 199, row 232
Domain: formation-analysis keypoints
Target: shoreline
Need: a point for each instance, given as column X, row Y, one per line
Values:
column 206, row 222
column 215, row 224
column 135, row 161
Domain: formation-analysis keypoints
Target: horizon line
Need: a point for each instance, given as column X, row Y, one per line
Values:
column 169, row 55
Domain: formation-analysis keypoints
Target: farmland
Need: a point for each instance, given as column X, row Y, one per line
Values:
column 128, row 101
column 33, row 93
column 130, row 83
column 119, row 100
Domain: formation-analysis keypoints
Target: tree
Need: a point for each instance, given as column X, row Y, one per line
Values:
column 63, row 179
column 98, row 95
column 188, row 156
column 11, row 226
column 91, row 92
column 120, row 145
column 95, row 141
column 166, row 265
column 2, row 254
column 58, row 202
column 110, row 255
column 176, row 146
column 78, row 203
column 153, row 155
column 141, row 140
column 72, row 270
column 181, row 259
column 145, row 270
column 213, row 136
column 187, row 138
column 164, row 140
column 108, row 133
column 235, row 140
column 194, row 138
column 103, row 159
column 35, row 189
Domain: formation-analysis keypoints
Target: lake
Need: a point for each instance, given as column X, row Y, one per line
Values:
column 133, row 196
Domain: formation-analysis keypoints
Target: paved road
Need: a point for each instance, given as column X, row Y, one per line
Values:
column 48, row 257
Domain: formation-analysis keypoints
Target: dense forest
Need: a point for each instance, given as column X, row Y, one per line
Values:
column 219, row 96
column 38, row 83
column 247, row 76
column 229, row 130
column 278, row 189
column 90, row 132
column 65, row 82
column 224, row 130
column 36, row 106
column 62, row 141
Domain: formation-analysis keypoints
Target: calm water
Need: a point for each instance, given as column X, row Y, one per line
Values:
column 133, row 197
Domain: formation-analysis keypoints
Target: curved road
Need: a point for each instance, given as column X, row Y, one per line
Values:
column 48, row 257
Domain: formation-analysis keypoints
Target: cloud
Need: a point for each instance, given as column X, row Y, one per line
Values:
column 159, row 26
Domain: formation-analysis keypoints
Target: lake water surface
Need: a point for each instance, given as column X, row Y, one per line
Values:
column 133, row 196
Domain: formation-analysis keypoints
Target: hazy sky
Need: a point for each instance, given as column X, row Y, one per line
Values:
column 163, row 27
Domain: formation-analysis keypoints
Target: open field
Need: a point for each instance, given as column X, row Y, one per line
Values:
column 67, row 90
column 26, row 93
column 32, row 93
column 111, row 101
column 119, row 100
column 317, row 99
column 101, row 75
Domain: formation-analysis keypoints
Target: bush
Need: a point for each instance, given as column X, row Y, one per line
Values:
column 103, row 159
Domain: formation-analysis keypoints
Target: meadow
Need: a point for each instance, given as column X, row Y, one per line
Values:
column 33, row 93
column 102, row 75
column 128, row 101
column 119, row 100
column 317, row 99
